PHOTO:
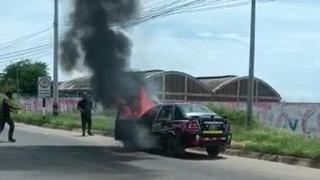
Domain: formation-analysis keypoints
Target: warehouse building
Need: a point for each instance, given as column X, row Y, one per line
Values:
column 179, row 86
column 235, row 89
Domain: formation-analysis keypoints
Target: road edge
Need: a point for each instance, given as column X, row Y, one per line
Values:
column 291, row 160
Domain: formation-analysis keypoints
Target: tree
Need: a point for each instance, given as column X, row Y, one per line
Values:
column 25, row 74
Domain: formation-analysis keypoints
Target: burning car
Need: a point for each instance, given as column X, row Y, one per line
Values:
column 174, row 127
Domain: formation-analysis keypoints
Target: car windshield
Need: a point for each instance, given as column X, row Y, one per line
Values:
column 192, row 108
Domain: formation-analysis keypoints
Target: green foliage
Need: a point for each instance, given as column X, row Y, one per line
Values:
column 235, row 117
column 27, row 73
column 262, row 138
column 103, row 124
column 259, row 138
column 278, row 141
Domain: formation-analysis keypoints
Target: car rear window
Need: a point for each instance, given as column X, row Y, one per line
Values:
column 190, row 108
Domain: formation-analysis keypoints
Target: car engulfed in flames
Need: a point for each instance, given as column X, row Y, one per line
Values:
column 171, row 126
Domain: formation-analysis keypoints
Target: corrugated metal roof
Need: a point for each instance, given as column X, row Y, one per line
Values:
column 150, row 73
column 82, row 83
column 214, row 81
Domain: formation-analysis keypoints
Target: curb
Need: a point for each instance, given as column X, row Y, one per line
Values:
column 306, row 162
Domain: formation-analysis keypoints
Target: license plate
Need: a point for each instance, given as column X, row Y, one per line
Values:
column 214, row 127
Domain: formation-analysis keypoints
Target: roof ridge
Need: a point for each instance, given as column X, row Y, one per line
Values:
column 216, row 77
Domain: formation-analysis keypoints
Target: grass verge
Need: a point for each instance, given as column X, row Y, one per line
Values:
column 100, row 123
column 258, row 138
column 270, row 140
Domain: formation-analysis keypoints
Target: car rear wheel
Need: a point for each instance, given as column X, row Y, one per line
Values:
column 213, row 151
column 173, row 147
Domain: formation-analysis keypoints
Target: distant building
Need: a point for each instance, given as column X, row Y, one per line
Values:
column 235, row 89
column 174, row 85
column 179, row 86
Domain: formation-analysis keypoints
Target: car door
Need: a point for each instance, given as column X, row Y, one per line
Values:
column 163, row 119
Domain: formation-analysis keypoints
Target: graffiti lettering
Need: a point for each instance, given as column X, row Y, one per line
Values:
column 293, row 124
column 302, row 118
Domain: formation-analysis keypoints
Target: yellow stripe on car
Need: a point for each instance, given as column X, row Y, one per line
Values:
column 212, row 132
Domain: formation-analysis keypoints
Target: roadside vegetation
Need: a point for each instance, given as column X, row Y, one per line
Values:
column 258, row 138
column 103, row 123
column 266, row 139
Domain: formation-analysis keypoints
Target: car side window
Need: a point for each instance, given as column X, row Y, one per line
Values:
column 166, row 113
column 178, row 114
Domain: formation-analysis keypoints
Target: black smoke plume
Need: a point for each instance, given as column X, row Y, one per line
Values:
column 96, row 40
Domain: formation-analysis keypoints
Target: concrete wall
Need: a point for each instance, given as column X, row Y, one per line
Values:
column 66, row 105
column 303, row 118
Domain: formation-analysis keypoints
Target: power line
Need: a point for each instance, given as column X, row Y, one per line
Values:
column 22, row 39
column 26, row 46
column 26, row 50
column 178, row 7
column 32, row 55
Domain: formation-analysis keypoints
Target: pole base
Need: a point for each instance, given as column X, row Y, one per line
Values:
column 55, row 109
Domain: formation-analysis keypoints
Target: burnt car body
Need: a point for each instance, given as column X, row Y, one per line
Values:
column 175, row 127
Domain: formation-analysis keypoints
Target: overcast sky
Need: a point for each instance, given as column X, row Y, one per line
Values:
column 207, row 43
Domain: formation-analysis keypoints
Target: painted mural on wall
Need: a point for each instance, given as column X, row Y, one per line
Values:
column 35, row 104
column 66, row 105
column 303, row 118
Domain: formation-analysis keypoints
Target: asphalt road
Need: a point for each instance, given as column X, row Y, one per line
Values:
column 45, row 154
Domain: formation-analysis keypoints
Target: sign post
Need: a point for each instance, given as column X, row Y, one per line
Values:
column 44, row 91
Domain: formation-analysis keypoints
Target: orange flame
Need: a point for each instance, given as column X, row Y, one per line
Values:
column 142, row 104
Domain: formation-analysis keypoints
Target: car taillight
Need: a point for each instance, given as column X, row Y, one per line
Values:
column 193, row 126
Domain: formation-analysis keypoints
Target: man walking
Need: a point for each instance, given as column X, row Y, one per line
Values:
column 85, row 106
column 5, row 116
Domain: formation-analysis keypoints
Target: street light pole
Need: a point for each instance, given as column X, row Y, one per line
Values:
column 251, row 64
column 55, row 60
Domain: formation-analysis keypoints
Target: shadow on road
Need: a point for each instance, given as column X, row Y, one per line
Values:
column 74, row 159
column 187, row 156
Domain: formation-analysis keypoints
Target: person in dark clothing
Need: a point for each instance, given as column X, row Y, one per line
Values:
column 5, row 116
column 85, row 106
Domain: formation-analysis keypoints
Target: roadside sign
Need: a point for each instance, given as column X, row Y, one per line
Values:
column 44, row 86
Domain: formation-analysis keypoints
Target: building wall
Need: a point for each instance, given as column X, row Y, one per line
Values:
column 66, row 105
column 237, row 91
column 302, row 118
column 178, row 87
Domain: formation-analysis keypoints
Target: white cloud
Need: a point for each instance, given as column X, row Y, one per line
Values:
column 204, row 35
column 234, row 37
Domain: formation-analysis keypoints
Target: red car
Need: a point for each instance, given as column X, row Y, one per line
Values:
column 175, row 127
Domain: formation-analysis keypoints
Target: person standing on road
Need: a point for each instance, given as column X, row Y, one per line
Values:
column 85, row 107
column 5, row 116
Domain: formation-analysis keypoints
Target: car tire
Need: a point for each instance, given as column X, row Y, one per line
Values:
column 213, row 151
column 173, row 147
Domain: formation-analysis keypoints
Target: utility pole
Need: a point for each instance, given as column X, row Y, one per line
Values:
column 17, row 76
column 18, row 79
column 251, row 64
column 55, row 60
